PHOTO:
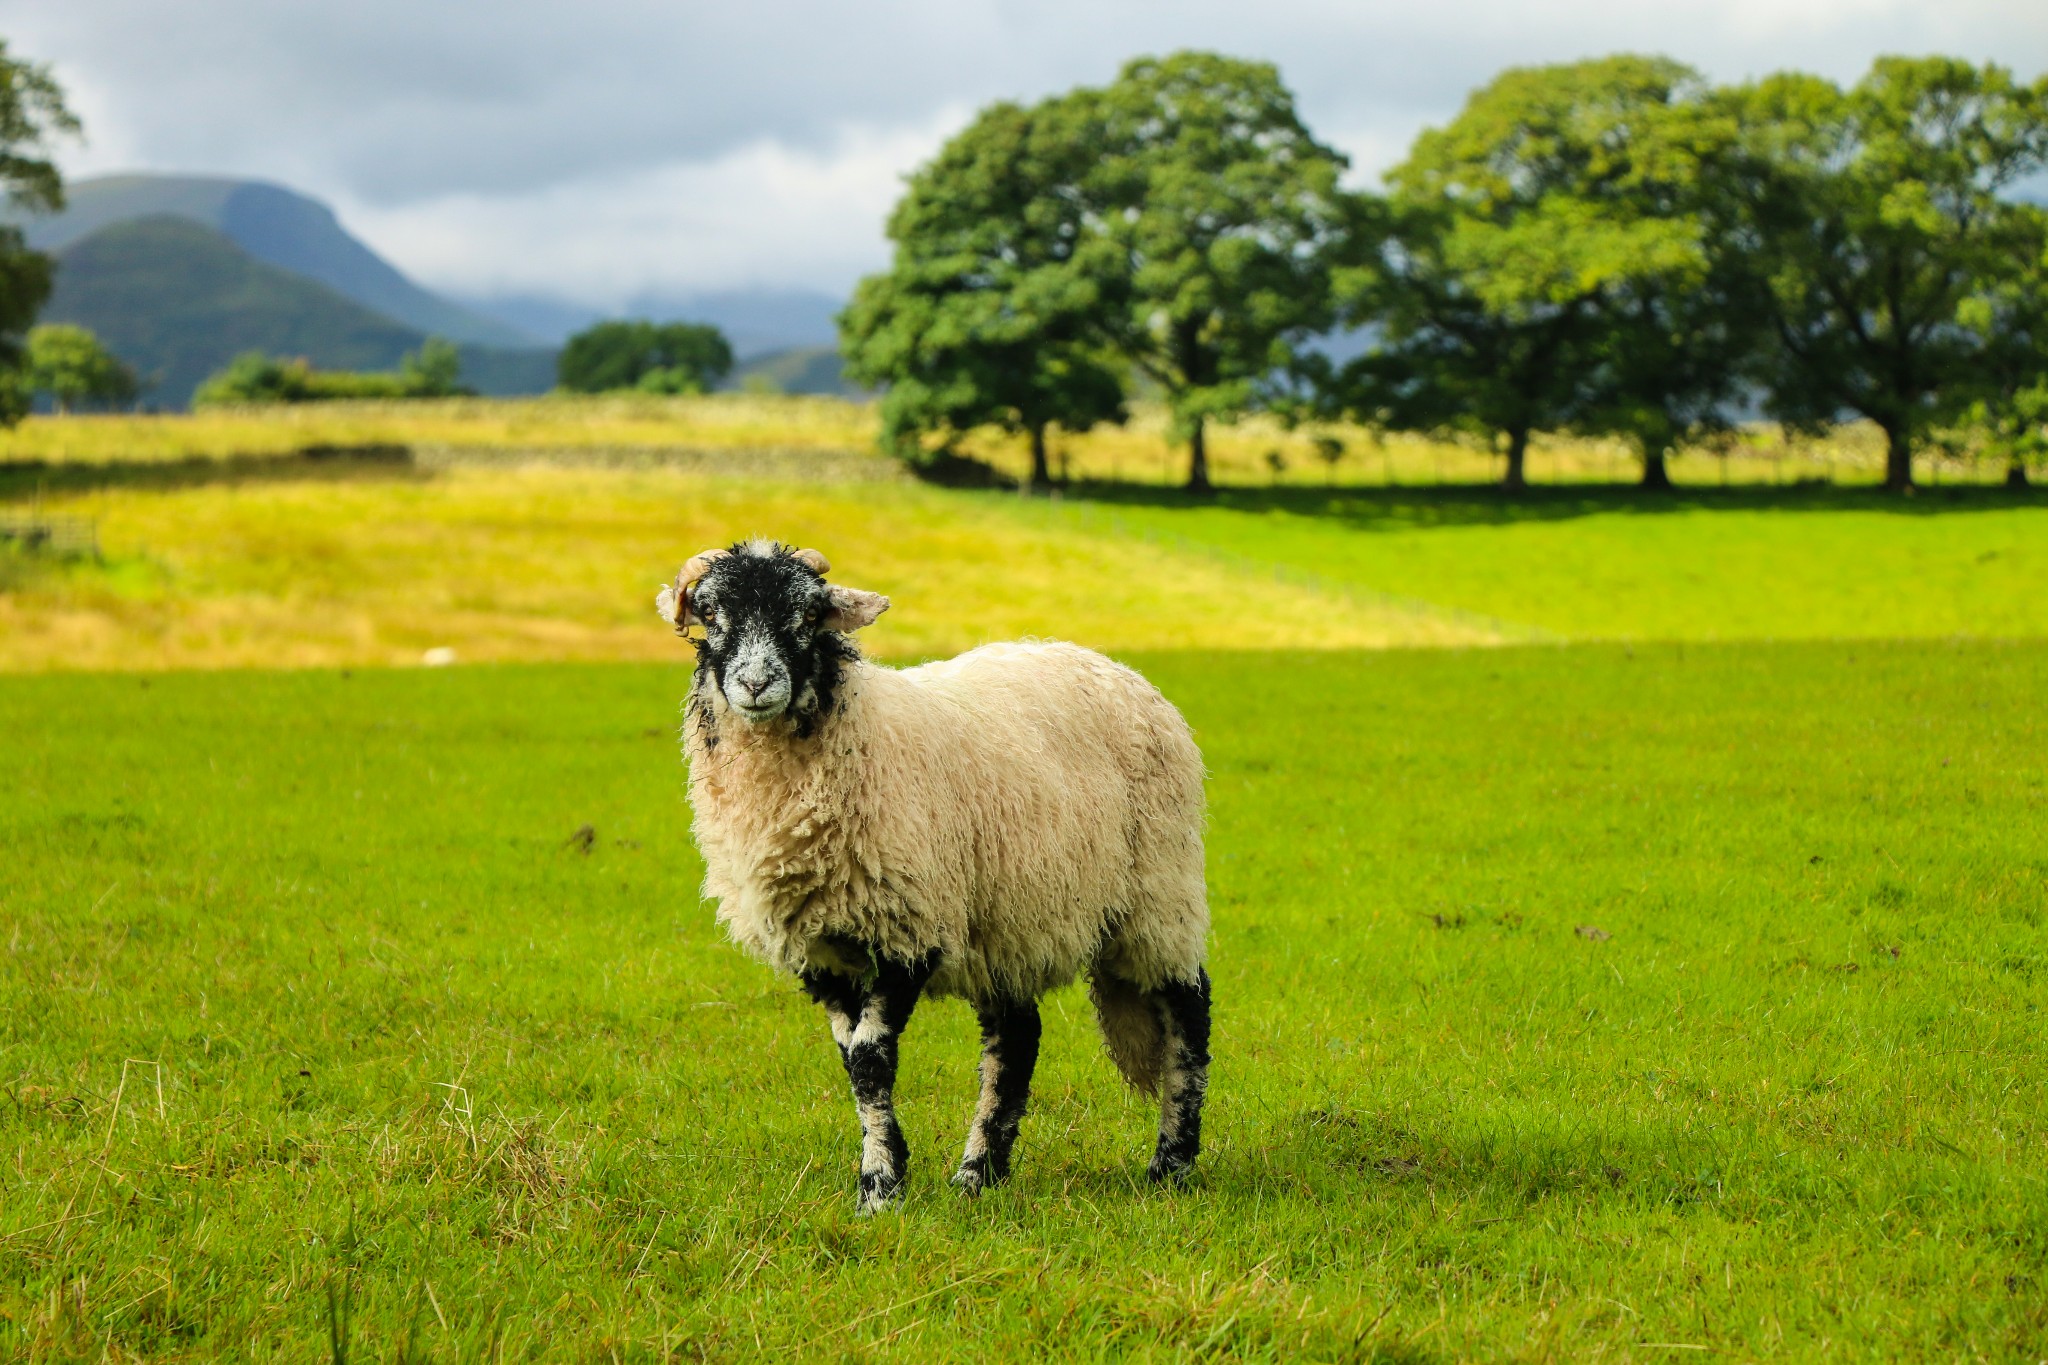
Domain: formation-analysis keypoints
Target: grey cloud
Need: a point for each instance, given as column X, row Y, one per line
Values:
column 422, row 115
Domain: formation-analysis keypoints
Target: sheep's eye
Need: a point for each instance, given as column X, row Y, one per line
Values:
column 707, row 615
column 811, row 617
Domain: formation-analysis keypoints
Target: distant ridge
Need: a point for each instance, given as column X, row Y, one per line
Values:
column 177, row 300
column 278, row 227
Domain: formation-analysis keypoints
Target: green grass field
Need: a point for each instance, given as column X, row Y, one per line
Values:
column 1634, row 1002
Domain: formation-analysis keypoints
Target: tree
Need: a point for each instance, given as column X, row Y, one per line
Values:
column 1866, row 218
column 989, row 311
column 71, row 366
column 433, row 371
column 1547, row 260
column 1464, row 345
column 1228, row 222
column 32, row 116
column 676, row 357
column 253, row 378
column 2007, row 318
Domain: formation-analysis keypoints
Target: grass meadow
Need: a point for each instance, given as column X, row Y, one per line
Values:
column 1628, row 939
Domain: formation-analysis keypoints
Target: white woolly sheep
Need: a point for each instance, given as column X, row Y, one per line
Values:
column 990, row 827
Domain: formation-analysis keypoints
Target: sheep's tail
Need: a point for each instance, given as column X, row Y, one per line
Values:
column 1131, row 1030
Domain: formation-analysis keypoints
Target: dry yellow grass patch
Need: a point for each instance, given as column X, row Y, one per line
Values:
column 1140, row 452
column 563, row 564
column 713, row 422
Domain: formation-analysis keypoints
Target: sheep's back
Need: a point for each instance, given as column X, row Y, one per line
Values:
column 1061, row 793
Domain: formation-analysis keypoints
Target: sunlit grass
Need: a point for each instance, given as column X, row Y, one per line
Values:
column 1571, row 1004
column 1141, row 452
column 376, row 567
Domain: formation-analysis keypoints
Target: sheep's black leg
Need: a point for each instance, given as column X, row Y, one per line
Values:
column 867, row 1020
column 842, row 997
column 1184, row 1079
column 1009, row 1051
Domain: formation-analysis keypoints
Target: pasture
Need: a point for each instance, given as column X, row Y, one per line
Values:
column 1572, row 1000
column 1640, row 959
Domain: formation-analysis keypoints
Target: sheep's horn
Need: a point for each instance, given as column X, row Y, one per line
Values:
column 818, row 563
column 694, row 570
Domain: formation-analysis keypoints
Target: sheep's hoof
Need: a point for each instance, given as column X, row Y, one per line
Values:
column 879, row 1190
column 1172, row 1171
column 969, row 1179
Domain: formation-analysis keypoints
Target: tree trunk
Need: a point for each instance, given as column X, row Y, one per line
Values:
column 1655, row 475
column 1198, row 460
column 1898, row 459
column 1518, row 456
column 2016, row 473
column 1041, row 472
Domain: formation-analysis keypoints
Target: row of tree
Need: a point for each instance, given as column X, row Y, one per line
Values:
column 1611, row 247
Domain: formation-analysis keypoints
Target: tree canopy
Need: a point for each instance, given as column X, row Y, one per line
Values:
column 675, row 357
column 1867, row 217
column 71, row 366
column 1611, row 246
column 988, row 312
column 1229, row 221
column 32, row 116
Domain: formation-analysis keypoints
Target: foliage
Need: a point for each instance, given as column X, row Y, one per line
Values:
column 1547, row 261
column 2007, row 387
column 316, row 1015
column 1228, row 222
column 664, row 358
column 32, row 116
column 990, row 311
column 433, row 371
column 72, row 367
column 1868, row 216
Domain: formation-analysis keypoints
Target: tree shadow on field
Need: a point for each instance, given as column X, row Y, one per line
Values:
column 21, row 480
column 1411, row 506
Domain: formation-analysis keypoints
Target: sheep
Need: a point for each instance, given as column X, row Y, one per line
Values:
column 989, row 827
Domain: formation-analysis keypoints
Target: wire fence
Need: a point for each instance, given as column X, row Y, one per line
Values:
column 68, row 537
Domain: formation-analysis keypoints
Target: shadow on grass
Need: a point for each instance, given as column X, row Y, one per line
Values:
column 1406, row 506
column 21, row 480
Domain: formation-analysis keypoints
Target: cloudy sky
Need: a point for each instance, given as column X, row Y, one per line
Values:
column 608, row 148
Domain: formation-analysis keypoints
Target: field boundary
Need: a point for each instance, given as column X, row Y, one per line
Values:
column 1507, row 632
column 793, row 463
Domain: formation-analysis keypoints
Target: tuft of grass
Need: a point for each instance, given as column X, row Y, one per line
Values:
column 1570, row 1002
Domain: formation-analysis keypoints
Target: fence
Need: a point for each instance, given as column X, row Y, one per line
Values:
column 72, row 537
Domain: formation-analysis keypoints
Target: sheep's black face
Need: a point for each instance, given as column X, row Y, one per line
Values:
column 774, row 633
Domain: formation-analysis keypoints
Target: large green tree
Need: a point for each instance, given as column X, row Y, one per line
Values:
column 2007, row 318
column 1867, row 217
column 1547, row 261
column 989, row 313
column 32, row 115
column 675, row 357
column 1229, row 223
column 72, row 367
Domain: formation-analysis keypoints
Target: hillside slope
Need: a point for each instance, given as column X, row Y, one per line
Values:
column 178, row 300
column 276, row 226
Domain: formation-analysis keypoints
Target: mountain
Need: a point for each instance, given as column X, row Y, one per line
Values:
column 177, row 300
column 278, row 227
column 799, row 369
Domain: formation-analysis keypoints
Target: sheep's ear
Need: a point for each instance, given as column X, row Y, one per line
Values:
column 853, row 608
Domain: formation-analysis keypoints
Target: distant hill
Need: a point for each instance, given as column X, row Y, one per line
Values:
column 800, row 369
column 178, row 300
column 276, row 226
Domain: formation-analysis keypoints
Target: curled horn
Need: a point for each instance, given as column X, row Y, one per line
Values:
column 819, row 565
column 673, row 602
